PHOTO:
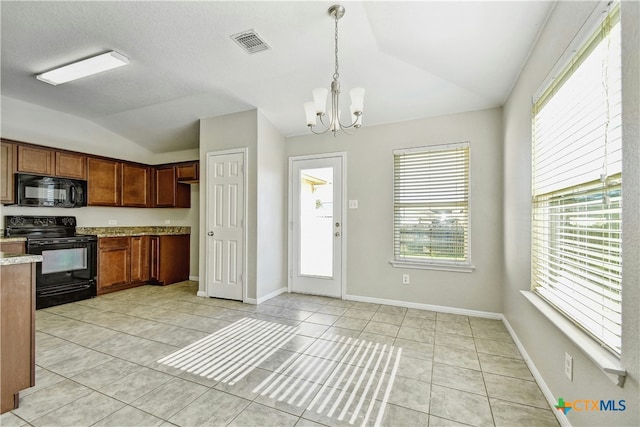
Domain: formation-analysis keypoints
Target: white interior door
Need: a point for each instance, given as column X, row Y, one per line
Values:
column 225, row 225
column 316, row 258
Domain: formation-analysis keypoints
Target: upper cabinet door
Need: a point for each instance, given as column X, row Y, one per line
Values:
column 34, row 160
column 103, row 182
column 71, row 165
column 7, row 165
column 168, row 192
column 188, row 172
column 135, row 186
column 165, row 187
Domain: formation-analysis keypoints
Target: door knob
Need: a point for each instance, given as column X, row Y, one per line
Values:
column 337, row 234
column 210, row 233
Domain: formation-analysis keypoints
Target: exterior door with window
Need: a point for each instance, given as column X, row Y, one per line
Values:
column 316, row 254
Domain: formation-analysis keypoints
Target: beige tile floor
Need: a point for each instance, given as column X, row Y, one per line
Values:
column 160, row 356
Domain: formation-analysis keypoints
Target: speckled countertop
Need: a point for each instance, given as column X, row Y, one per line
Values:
column 10, row 259
column 12, row 239
column 133, row 231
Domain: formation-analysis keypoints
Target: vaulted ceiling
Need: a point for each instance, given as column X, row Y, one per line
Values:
column 415, row 59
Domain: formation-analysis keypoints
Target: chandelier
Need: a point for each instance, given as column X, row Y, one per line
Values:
column 318, row 108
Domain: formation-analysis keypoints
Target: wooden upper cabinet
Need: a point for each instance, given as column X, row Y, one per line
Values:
column 45, row 161
column 168, row 193
column 110, row 182
column 136, row 186
column 70, row 165
column 7, row 169
column 103, row 182
column 188, row 173
column 39, row 161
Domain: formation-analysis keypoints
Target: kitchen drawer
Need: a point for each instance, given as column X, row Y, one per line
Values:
column 113, row 242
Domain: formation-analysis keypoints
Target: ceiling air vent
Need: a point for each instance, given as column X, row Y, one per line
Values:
column 250, row 41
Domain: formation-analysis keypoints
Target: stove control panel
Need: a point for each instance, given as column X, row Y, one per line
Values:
column 39, row 221
column 39, row 226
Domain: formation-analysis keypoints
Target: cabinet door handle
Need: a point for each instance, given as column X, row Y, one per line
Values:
column 210, row 233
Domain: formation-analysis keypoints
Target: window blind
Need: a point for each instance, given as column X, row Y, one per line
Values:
column 577, row 182
column 431, row 205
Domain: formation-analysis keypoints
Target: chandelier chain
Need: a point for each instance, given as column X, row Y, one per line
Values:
column 336, row 75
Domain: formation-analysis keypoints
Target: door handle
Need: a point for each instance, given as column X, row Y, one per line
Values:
column 210, row 233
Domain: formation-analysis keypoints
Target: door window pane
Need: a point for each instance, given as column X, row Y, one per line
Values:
column 316, row 222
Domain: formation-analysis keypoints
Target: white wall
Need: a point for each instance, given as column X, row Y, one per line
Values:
column 238, row 130
column 544, row 343
column 265, row 174
column 369, row 229
column 31, row 123
column 26, row 122
column 272, row 213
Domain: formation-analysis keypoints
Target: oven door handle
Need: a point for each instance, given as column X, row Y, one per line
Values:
column 64, row 290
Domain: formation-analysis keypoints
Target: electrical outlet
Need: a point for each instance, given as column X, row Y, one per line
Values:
column 113, row 222
column 568, row 366
column 405, row 279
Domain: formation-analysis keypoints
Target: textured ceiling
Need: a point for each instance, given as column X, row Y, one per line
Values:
column 415, row 59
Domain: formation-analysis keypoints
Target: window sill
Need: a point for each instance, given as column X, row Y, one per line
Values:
column 428, row 266
column 601, row 357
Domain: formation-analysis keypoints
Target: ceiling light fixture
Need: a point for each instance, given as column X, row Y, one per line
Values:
column 84, row 68
column 317, row 108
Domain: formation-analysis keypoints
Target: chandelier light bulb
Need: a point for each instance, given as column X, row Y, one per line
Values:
column 357, row 98
column 320, row 100
column 310, row 112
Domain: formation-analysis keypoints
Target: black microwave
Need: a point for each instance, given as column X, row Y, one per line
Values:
column 50, row 191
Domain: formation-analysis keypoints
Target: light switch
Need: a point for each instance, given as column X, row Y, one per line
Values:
column 353, row 204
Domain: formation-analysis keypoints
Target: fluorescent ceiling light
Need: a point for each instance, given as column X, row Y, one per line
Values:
column 84, row 68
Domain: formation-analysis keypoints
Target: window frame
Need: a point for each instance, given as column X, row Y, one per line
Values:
column 588, row 45
column 433, row 263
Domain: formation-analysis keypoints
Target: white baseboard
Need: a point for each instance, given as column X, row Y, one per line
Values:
column 194, row 278
column 272, row 295
column 438, row 308
column 202, row 294
column 560, row 416
column 251, row 301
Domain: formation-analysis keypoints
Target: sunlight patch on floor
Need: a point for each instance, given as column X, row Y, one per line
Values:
column 231, row 353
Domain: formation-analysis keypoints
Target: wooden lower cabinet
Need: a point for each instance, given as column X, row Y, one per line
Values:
column 17, row 324
column 114, row 264
column 140, row 259
column 12, row 247
column 126, row 262
column 169, row 259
